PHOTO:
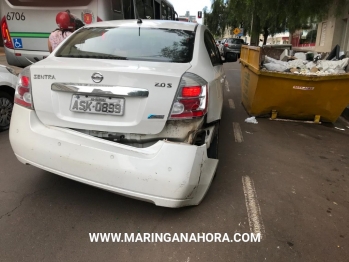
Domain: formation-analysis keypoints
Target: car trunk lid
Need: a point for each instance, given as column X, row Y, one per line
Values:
column 145, row 91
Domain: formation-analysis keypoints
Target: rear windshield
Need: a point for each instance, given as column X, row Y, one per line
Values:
column 236, row 41
column 49, row 3
column 146, row 44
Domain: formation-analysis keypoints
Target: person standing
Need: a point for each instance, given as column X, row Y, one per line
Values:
column 66, row 26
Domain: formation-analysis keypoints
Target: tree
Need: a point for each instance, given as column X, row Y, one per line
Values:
column 269, row 17
column 204, row 10
column 217, row 19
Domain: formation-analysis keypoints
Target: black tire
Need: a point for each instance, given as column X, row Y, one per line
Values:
column 6, row 106
column 231, row 54
column 212, row 151
column 226, row 56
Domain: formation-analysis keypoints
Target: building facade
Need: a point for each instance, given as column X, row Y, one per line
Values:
column 334, row 31
column 187, row 16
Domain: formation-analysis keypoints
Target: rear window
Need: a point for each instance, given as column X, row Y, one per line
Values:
column 49, row 3
column 236, row 41
column 145, row 44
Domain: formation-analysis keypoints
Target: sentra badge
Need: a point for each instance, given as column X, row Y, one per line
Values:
column 44, row 77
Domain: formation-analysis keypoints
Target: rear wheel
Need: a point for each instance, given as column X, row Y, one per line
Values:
column 212, row 151
column 233, row 55
column 6, row 105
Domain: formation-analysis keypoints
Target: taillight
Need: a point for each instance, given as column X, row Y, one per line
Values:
column 23, row 95
column 6, row 34
column 191, row 91
column 99, row 19
column 226, row 45
column 192, row 98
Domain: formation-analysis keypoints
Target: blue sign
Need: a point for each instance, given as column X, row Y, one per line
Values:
column 241, row 32
column 17, row 43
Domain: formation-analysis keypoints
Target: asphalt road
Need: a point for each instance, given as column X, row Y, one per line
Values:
column 300, row 174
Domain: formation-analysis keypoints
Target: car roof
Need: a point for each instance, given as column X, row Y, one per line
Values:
column 147, row 24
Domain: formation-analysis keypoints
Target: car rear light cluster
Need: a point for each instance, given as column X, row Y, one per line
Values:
column 6, row 34
column 23, row 95
column 192, row 98
column 226, row 45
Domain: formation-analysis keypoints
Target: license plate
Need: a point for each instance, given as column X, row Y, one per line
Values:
column 98, row 105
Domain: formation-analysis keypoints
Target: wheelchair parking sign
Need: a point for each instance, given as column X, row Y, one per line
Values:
column 17, row 42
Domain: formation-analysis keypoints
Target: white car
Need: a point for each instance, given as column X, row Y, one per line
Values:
column 8, row 80
column 129, row 106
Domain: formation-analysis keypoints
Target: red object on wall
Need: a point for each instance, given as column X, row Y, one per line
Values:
column 87, row 18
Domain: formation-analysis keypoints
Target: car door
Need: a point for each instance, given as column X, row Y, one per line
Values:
column 215, row 97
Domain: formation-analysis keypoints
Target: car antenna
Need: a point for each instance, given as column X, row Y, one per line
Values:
column 139, row 21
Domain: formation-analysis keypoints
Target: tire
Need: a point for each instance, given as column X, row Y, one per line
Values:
column 212, row 151
column 6, row 106
column 232, row 54
column 225, row 56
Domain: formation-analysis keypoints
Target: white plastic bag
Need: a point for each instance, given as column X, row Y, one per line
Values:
column 269, row 60
column 296, row 63
column 275, row 67
column 300, row 56
column 251, row 120
column 325, row 65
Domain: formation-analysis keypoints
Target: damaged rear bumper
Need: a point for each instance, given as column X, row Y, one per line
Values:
column 166, row 173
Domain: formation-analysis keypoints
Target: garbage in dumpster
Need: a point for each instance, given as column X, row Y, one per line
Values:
column 300, row 56
column 306, row 67
column 314, row 90
column 334, row 53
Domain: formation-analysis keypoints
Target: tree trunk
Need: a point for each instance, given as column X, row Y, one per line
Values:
column 265, row 35
column 255, row 32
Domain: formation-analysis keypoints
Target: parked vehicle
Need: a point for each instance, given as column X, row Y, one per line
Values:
column 221, row 45
column 218, row 42
column 232, row 45
column 8, row 80
column 139, row 120
column 26, row 25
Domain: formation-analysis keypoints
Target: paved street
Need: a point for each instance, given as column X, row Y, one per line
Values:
column 300, row 174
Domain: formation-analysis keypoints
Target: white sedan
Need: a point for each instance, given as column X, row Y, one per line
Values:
column 130, row 106
column 8, row 80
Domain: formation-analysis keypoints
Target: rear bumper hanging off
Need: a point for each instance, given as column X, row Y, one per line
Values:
column 166, row 173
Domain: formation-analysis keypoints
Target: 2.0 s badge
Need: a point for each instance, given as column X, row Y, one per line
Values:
column 168, row 85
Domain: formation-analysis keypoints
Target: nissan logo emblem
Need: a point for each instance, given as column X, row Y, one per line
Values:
column 97, row 77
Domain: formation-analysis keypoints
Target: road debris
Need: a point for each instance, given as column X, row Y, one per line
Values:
column 251, row 120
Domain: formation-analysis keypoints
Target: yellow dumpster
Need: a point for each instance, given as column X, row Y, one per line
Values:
column 291, row 96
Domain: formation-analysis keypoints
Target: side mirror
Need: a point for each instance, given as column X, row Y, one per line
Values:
column 231, row 57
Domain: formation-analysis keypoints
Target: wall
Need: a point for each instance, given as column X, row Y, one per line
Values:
column 333, row 31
